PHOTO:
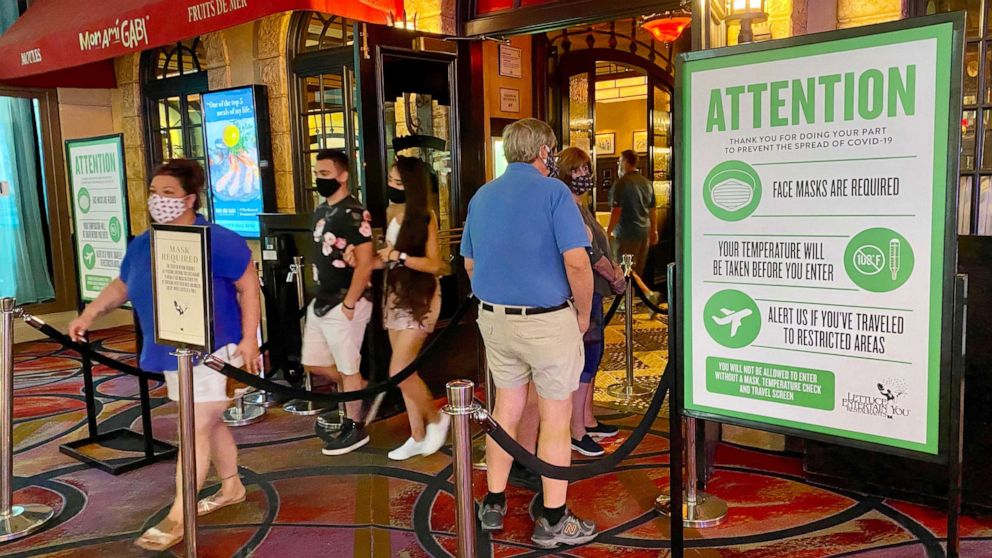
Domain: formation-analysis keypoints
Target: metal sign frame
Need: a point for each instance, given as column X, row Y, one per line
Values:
column 681, row 163
column 200, row 234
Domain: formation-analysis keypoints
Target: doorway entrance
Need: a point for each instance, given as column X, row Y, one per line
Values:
column 613, row 95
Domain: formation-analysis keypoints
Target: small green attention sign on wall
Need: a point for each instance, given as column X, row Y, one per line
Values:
column 99, row 201
column 814, row 216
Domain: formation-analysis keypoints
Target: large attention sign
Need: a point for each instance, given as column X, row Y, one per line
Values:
column 815, row 212
column 231, row 133
column 98, row 188
column 182, row 286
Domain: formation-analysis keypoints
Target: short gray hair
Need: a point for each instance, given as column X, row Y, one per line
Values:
column 522, row 140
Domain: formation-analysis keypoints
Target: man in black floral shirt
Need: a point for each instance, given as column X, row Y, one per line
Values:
column 337, row 317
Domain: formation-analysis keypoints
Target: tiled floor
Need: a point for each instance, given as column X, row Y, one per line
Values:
column 303, row 504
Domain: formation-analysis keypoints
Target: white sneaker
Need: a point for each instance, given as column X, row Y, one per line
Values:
column 437, row 435
column 409, row 449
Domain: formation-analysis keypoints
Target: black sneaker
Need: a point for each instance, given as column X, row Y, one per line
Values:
column 491, row 516
column 601, row 431
column 351, row 437
column 587, row 446
column 329, row 425
column 569, row 531
column 521, row 477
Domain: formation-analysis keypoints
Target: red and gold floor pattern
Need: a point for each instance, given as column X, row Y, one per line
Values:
column 303, row 504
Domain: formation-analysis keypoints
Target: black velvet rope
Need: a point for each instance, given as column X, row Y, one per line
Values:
column 589, row 470
column 256, row 382
column 613, row 309
column 644, row 298
column 86, row 350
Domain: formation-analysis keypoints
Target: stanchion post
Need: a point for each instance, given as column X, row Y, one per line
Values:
column 627, row 390
column 302, row 406
column 461, row 407
column 261, row 397
column 187, row 432
column 23, row 519
column 479, row 445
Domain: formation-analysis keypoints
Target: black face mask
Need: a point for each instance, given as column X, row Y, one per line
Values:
column 327, row 186
column 396, row 195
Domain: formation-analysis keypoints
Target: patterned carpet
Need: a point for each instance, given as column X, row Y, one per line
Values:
column 302, row 504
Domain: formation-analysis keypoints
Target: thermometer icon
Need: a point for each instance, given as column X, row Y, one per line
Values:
column 894, row 247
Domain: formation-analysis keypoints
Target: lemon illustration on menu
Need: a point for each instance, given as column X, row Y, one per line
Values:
column 232, row 135
column 732, row 190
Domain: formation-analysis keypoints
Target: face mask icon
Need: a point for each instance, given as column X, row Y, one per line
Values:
column 731, row 194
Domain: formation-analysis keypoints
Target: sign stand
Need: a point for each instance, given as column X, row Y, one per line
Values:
column 817, row 246
column 96, row 175
column 676, row 481
column 956, row 439
column 303, row 407
column 183, row 303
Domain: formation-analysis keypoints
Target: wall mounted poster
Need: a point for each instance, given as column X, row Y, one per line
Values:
column 182, row 286
column 231, row 132
column 98, row 188
column 816, row 214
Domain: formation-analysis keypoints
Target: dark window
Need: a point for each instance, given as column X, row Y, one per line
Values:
column 173, row 80
column 975, row 183
column 323, row 103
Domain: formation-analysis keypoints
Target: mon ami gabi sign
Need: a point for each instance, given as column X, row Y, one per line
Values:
column 814, row 219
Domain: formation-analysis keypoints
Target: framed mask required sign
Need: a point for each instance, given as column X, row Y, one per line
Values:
column 182, row 286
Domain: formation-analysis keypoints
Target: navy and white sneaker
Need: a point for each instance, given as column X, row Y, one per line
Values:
column 587, row 446
column 570, row 530
column 601, row 431
column 351, row 437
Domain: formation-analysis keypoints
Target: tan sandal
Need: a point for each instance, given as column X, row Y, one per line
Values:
column 157, row 540
column 213, row 503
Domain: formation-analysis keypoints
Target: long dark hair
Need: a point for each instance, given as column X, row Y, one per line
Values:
column 413, row 290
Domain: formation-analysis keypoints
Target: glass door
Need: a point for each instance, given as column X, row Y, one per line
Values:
column 418, row 108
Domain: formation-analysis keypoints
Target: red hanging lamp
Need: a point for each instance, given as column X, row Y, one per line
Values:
column 667, row 27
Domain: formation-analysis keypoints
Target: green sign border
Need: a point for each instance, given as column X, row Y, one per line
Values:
column 948, row 31
column 71, row 144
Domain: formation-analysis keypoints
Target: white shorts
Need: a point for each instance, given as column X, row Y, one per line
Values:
column 209, row 386
column 334, row 340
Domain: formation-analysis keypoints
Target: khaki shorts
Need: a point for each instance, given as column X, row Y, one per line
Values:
column 546, row 348
column 334, row 340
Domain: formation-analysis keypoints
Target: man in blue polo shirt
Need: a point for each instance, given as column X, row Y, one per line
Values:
column 525, row 250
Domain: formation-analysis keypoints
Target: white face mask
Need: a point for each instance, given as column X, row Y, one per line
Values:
column 165, row 210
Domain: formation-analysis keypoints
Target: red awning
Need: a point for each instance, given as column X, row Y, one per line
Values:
column 71, row 42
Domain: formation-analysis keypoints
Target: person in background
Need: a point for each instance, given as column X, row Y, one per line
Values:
column 341, row 310
column 524, row 246
column 574, row 168
column 634, row 220
column 175, row 199
column 412, row 258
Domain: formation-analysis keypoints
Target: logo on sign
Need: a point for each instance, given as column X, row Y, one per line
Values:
column 130, row 33
column 882, row 405
column 32, row 56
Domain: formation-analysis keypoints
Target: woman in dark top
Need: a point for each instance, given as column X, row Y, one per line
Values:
column 575, row 172
column 174, row 198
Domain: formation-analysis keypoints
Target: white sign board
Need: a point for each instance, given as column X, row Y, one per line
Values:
column 98, row 187
column 182, row 286
column 815, row 213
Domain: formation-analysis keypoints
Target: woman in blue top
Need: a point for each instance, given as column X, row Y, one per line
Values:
column 175, row 198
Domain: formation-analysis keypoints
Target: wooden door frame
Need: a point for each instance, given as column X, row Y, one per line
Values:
column 59, row 214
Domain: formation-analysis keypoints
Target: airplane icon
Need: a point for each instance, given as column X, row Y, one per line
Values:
column 732, row 318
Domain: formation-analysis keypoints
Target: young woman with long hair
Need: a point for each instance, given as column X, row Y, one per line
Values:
column 412, row 258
